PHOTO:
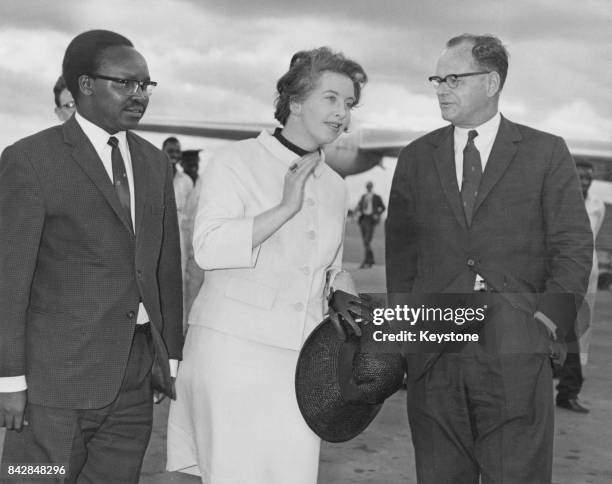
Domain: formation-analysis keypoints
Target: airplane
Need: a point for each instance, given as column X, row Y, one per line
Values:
column 355, row 151
column 361, row 148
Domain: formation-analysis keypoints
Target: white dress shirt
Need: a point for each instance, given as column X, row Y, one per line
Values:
column 484, row 142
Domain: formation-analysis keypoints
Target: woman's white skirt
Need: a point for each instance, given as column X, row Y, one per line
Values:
column 236, row 418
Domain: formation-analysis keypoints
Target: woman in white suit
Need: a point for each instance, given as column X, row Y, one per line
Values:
column 269, row 233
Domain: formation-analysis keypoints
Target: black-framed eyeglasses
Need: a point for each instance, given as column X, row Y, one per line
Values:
column 68, row 105
column 128, row 87
column 452, row 80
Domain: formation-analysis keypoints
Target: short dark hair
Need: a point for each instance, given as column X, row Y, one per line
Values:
column 60, row 85
column 488, row 51
column 170, row 139
column 304, row 71
column 84, row 55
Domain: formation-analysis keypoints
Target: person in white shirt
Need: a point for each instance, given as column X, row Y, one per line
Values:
column 579, row 338
column 64, row 103
column 269, row 233
column 369, row 209
column 183, row 186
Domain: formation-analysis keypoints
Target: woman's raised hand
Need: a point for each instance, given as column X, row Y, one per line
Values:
column 295, row 180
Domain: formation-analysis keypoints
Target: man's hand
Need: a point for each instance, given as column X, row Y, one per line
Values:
column 12, row 407
column 346, row 307
column 159, row 397
column 558, row 354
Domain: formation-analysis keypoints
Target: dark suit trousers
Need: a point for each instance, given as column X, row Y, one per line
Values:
column 96, row 445
column 367, row 224
column 570, row 377
column 486, row 414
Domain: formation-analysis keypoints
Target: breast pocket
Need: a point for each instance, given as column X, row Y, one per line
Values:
column 251, row 292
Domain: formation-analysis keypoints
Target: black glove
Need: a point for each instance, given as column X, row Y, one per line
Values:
column 350, row 309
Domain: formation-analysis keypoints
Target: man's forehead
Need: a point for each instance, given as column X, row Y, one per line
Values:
column 457, row 57
column 123, row 57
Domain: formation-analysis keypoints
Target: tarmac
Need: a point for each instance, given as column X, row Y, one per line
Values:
column 383, row 453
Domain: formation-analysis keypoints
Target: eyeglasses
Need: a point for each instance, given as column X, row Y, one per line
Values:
column 452, row 80
column 128, row 87
column 68, row 105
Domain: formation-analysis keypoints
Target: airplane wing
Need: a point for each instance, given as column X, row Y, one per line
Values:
column 361, row 148
column 353, row 152
column 228, row 131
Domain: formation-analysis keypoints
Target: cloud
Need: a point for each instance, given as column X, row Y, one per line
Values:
column 220, row 60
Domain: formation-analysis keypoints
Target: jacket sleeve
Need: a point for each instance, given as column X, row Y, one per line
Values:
column 169, row 273
column 223, row 233
column 569, row 240
column 400, row 237
column 22, row 216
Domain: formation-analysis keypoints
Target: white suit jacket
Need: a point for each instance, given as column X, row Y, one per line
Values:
column 273, row 294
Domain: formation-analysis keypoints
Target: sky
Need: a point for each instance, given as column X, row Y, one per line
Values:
column 220, row 60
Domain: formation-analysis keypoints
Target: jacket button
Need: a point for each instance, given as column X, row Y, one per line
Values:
column 310, row 202
column 306, row 271
column 298, row 307
column 131, row 314
column 312, row 235
column 471, row 262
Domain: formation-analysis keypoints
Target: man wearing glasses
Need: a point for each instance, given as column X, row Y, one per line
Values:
column 64, row 104
column 90, row 287
column 487, row 205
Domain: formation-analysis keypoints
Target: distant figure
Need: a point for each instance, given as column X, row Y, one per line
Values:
column 193, row 274
column 64, row 103
column 183, row 186
column 369, row 209
column 191, row 163
column 578, row 339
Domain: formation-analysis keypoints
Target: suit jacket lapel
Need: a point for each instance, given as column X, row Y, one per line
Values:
column 141, row 177
column 86, row 157
column 444, row 156
column 503, row 151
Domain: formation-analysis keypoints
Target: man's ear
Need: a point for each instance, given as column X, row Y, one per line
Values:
column 86, row 85
column 493, row 83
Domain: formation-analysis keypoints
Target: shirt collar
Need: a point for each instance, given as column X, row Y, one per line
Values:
column 486, row 131
column 284, row 154
column 96, row 135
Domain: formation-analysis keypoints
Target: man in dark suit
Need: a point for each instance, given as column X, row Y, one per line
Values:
column 90, row 286
column 485, row 204
column 369, row 208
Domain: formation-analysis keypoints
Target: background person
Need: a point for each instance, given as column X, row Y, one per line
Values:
column 486, row 204
column 579, row 336
column 269, row 232
column 191, row 164
column 369, row 208
column 183, row 186
column 64, row 103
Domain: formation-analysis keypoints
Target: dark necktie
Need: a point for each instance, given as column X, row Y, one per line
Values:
column 120, row 180
column 472, row 173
